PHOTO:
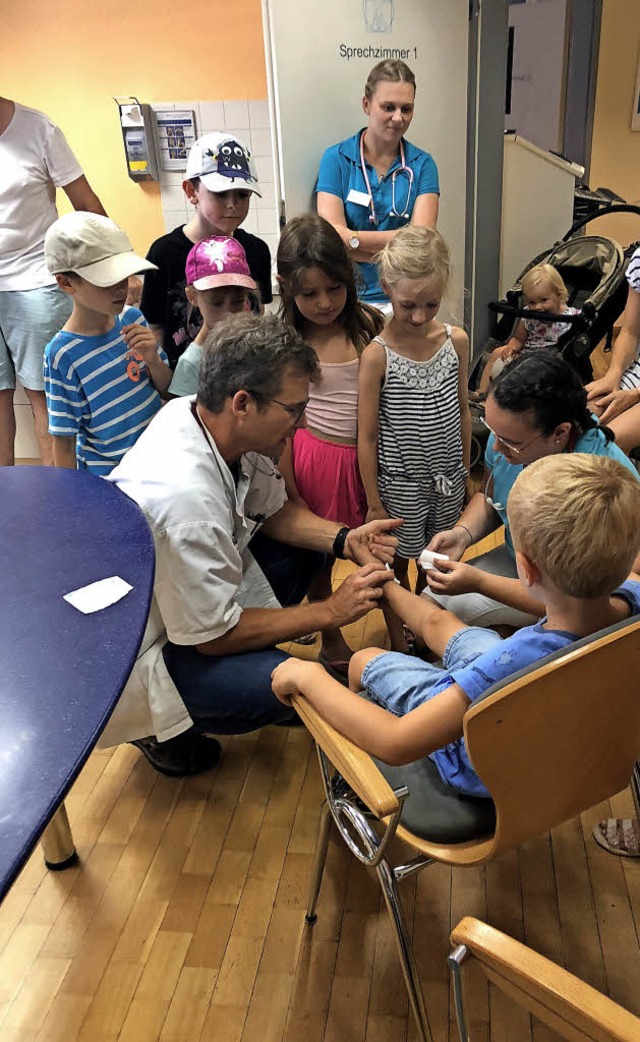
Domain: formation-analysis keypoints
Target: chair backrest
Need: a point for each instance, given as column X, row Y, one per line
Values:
column 573, row 1009
column 561, row 737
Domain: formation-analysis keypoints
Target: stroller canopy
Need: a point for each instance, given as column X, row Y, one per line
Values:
column 592, row 268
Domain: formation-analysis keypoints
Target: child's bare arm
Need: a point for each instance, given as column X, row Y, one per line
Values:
column 485, row 378
column 450, row 578
column 372, row 366
column 393, row 739
column 285, row 466
column 517, row 340
column 64, row 451
column 423, row 617
column 624, row 350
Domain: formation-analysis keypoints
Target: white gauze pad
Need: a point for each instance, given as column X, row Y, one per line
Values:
column 428, row 559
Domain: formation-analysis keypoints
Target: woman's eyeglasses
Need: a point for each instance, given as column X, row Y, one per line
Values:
column 508, row 444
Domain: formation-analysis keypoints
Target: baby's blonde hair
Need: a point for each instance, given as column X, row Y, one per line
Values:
column 418, row 254
column 576, row 517
column 544, row 273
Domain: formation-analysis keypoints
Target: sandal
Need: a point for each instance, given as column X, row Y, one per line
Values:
column 187, row 754
column 619, row 836
column 306, row 639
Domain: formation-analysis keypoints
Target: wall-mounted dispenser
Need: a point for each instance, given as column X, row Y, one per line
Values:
column 136, row 122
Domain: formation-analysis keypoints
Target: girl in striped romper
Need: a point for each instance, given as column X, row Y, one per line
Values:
column 414, row 427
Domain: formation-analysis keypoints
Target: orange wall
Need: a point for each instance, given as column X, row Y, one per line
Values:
column 615, row 158
column 69, row 59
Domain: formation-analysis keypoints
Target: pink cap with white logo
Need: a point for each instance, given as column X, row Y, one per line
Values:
column 218, row 261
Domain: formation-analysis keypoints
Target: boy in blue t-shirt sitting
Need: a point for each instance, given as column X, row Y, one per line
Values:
column 574, row 522
column 103, row 372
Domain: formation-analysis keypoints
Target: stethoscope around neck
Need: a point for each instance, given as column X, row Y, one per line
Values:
column 402, row 169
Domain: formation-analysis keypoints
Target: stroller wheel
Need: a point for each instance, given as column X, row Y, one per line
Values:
column 477, row 451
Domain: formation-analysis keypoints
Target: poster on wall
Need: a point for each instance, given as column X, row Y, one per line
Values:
column 176, row 134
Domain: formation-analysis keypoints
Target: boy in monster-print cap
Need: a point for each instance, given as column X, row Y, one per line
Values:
column 220, row 180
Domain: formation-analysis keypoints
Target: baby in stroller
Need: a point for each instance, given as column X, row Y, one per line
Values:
column 543, row 289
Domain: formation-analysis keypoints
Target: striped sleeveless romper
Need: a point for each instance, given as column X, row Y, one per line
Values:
column 631, row 376
column 421, row 474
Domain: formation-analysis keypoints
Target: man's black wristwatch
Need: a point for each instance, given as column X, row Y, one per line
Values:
column 339, row 541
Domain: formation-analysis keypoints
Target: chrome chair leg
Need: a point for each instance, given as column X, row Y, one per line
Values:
column 57, row 842
column 319, row 863
column 392, row 900
column 455, row 960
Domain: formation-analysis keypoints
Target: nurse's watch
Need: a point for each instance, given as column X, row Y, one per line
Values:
column 354, row 242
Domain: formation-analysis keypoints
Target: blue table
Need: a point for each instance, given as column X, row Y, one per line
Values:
column 61, row 672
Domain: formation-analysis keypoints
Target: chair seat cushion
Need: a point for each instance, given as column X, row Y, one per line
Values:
column 436, row 811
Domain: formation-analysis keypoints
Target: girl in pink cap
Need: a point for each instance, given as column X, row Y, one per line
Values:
column 219, row 284
column 319, row 298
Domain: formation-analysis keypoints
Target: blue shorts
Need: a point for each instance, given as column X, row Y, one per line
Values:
column 401, row 683
column 29, row 319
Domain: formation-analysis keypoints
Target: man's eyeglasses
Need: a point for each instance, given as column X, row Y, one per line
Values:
column 507, row 444
column 295, row 411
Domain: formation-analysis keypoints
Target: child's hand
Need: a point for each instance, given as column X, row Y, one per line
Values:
column 142, row 341
column 452, row 577
column 285, row 679
column 362, row 553
column 372, row 541
column 134, row 291
column 511, row 351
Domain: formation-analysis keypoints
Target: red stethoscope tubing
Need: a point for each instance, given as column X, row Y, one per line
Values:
column 402, row 169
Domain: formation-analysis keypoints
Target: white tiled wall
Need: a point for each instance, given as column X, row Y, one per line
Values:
column 248, row 120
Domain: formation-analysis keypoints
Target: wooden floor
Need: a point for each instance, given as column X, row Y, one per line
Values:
column 184, row 920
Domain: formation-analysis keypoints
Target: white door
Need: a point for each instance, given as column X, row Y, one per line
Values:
column 319, row 53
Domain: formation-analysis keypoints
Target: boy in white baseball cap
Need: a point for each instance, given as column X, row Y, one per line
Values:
column 104, row 371
column 220, row 179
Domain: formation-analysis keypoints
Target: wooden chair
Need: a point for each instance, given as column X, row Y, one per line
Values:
column 567, row 1005
column 552, row 742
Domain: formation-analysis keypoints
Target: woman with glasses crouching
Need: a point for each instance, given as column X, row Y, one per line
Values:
column 536, row 407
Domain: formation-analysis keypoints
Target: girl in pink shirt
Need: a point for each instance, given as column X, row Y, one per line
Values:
column 320, row 466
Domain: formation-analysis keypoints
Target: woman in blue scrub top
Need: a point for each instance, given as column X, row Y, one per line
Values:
column 375, row 182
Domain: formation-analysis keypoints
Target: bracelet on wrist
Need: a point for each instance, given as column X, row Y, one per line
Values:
column 339, row 541
column 465, row 529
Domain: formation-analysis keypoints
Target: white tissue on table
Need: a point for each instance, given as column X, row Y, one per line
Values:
column 98, row 595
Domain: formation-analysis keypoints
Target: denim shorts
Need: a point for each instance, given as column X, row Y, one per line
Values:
column 29, row 319
column 401, row 683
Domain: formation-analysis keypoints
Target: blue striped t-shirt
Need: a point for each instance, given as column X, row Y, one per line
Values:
column 100, row 391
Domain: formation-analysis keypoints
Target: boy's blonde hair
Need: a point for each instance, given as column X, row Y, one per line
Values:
column 577, row 517
column 544, row 273
column 418, row 254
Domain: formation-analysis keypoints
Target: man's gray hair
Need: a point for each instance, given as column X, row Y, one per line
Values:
column 251, row 353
